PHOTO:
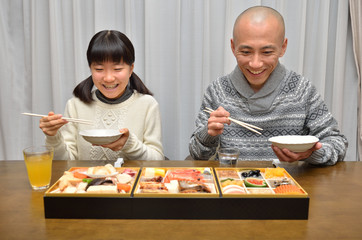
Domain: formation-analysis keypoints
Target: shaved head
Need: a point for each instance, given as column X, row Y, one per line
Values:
column 257, row 44
column 259, row 15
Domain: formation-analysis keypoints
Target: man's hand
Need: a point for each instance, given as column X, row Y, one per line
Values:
column 216, row 121
column 285, row 155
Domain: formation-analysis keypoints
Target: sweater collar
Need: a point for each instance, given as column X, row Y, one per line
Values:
column 264, row 98
column 127, row 94
column 242, row 85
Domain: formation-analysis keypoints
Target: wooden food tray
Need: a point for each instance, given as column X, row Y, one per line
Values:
column 214, row 205
column 227, row 176
column 208, row 181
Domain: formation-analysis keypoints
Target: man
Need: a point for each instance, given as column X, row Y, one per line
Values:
column 262, row 92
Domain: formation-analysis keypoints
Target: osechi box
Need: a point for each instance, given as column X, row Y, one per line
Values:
column 271, row 193
column 176, row 193
column 179, row 193
column 91, row 192
column 176, row 182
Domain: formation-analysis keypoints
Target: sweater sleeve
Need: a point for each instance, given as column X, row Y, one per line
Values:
column 202, row 146
column 321, row 124
column 150, row 148
column 64, row 142
column 60, row 149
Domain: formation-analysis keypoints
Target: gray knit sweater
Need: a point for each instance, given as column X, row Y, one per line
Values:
column 288, row 104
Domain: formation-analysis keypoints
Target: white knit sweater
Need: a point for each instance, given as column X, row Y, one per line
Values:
column 140, row 114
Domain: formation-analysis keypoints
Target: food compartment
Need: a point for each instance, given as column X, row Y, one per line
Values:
column 95, row 181
column 259, row 191
column 282, row 183
column 176, row 182
column 258, row 182
column 230, row 181
column 250, row 173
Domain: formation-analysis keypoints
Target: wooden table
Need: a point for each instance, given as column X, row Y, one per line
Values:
column 335, row 210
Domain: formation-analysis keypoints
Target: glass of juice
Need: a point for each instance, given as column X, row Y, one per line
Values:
column 38, row 161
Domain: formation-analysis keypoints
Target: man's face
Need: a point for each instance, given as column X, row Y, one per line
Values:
column 257, row 47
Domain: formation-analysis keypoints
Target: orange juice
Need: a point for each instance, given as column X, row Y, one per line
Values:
column 39, row 166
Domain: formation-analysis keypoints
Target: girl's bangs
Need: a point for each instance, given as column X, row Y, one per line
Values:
column 108, row 50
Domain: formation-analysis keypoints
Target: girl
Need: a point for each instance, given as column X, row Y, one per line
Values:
column 120, row 101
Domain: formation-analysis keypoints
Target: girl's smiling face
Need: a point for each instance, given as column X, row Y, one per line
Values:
column 111, row 78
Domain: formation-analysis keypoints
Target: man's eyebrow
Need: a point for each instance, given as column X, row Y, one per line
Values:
column 268, row 46
column 245, row 47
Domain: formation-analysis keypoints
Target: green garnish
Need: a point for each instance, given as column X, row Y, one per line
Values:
column 224, row 180
column 87, row 180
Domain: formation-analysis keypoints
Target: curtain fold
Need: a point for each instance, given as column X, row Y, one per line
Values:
column 181, row 46
column 356, row 22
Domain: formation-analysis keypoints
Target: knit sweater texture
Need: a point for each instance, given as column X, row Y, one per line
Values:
column 139, row 113
column 288, row 104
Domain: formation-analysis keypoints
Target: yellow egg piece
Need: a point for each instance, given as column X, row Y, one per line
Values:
column 159, row 172
column 274, row 172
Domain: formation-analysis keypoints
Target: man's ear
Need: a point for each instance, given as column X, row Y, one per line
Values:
column 232, row 45
column 284, row 47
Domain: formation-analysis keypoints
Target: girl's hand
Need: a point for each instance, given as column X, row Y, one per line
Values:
column 118, row 144
column 51, row 124
column 285, row 155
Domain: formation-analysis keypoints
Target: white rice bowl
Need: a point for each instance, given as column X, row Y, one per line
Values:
column 295, row 143
column 100, row 136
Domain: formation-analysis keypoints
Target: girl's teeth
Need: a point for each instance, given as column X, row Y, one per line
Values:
column 112, row 86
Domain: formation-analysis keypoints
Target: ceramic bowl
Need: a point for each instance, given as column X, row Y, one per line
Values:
column 295, row 143
column 100, row 136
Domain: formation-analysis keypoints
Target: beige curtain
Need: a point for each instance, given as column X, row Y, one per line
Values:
column 356, row 22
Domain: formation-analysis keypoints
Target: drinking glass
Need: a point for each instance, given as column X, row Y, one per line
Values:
column 38, row 161
column 228, row 156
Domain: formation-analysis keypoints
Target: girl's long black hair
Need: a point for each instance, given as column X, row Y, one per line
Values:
column 109, row 45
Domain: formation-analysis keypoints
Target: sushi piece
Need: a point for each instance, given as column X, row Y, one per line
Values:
column 288, row 189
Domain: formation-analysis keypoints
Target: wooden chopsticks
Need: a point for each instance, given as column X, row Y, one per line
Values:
column 75, row 120
column 243, row 124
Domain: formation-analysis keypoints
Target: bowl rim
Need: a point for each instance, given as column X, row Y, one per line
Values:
column 311, row 138
column 112, row 132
